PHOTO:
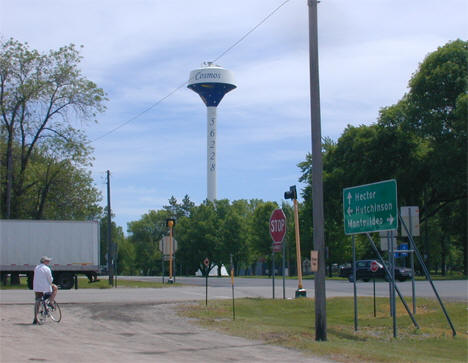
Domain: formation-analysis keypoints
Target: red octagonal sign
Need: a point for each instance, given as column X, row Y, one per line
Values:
column 374, row 266
column 277, row 225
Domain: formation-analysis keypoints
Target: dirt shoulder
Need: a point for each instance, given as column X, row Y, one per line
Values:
column 112, row 332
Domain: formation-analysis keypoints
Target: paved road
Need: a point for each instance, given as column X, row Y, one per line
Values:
column 124, row 324
column 261, row 287
column 220, row 288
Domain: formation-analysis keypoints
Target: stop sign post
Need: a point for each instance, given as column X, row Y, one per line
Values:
column 277, row 233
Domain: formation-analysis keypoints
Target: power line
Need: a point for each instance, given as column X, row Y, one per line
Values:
column 222, row 54
column 251, row 30
column 140, row 113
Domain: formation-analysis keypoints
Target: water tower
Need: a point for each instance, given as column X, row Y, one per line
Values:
column 211, row 82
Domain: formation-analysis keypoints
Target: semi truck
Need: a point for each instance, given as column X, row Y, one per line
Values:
column 72, row 245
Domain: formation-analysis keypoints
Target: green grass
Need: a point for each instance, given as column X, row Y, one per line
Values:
column 103, row 283
column 436, row 277
column 290, row 323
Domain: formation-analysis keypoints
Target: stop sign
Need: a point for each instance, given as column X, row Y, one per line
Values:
column 374, row 266
column 277, row 225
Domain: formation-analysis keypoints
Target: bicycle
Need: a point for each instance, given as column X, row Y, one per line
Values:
column 45, row 309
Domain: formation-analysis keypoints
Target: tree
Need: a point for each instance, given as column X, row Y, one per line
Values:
column 198, row 237
column 40, row 97
column 260, row 229
column 437, row 112
column 421, row 142
column 125, row 250
column 177, row 210
column 145, row 235
column 232, row 232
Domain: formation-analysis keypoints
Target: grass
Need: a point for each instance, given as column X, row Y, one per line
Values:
column 104, row 284
column 436, row 277
column 290, row 323
column 101, row 284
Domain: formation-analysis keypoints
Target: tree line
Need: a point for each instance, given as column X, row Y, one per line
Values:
column 421, row 141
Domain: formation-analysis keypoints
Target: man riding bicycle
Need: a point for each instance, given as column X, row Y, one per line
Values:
column 42, row 283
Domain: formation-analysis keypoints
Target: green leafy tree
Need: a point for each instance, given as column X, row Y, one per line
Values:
column 198, row 237
column 232, row 229
column 421, row 142
column 237, row 233
column 435, row 111
column 41, row 95
column 145, row 235
column 125, row 250
column 260, row 229
column 179, row 210
column 290, row 237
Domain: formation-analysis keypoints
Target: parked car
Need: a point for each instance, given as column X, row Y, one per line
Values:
column 363, row 271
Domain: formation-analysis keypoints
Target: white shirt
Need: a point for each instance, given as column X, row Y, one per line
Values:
column 42, row 278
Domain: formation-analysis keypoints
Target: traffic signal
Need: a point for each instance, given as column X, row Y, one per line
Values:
column 170, row 222
column 292, row 194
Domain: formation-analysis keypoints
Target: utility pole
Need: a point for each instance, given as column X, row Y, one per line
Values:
column 317, row 184
column 110, row 253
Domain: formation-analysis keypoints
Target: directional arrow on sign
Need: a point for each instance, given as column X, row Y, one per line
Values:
column 370, row 207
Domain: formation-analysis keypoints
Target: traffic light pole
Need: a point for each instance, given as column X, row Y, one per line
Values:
column 298, row 250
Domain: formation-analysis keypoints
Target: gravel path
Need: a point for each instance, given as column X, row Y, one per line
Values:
column 136, row 332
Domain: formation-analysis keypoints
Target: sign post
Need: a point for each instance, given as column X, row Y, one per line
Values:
column 373, row 208
column 410, row 216
column 374, row 266
column 207, row 269
column 232, row 285
column 170, row 222
column 277, row 233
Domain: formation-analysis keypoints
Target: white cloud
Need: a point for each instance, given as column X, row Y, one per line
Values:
column 140, row 51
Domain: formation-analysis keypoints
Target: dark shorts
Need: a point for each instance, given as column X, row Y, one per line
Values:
column 39, row 295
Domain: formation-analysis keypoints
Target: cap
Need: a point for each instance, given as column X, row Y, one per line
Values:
column 45, row 258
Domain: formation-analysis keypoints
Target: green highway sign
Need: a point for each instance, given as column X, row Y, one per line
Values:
column 371, row 207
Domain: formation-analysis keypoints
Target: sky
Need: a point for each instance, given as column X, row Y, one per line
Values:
column 142, row 51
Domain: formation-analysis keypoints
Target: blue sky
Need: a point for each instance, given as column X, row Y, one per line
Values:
column 139, row 51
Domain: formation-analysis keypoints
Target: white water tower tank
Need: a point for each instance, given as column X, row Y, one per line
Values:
column 211, row 82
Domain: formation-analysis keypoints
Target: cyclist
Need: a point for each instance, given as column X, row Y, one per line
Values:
column 42, row 283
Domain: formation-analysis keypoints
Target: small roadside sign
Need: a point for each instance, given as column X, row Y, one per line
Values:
column 165, row 245
column 404, row 247
column 386, row 238
column 374, row 266
column 410, row 216
column 277, row 246
column 314, row 260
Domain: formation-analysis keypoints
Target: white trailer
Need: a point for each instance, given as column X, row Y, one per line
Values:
column 73, row 246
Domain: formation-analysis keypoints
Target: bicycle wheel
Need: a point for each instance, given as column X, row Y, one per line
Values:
column 54, row 311
column 41, row 313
